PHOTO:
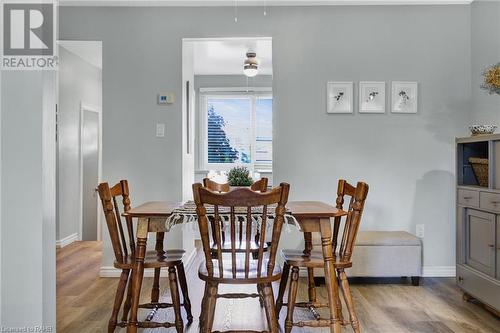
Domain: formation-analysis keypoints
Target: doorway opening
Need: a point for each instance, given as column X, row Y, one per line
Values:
column 228, row 103
column 90, row 170
column 79, row 141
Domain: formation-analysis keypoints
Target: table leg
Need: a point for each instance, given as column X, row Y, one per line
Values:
column 307, row 243
column 310, row 274
column 155, row 291
column 138, row 272
column 331, row 282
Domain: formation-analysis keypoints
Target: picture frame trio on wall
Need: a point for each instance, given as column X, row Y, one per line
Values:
column 372, row 97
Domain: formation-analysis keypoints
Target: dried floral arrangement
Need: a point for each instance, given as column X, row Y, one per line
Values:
column 492, row 79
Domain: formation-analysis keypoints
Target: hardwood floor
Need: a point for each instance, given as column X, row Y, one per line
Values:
column 84, row 302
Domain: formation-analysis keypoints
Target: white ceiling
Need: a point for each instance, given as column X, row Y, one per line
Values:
column 90, row 51
column 255, row 2
column 226, row 56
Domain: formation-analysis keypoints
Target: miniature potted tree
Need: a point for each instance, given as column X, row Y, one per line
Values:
column 239, row 177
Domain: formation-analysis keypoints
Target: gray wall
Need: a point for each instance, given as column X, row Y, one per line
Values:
column 79, row 81
column 407, row 159
column 485, row 51
column 27, row 199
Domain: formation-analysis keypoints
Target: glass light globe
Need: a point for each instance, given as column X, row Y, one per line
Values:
column 250, row 72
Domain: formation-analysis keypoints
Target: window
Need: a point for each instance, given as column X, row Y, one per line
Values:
column 237, row 130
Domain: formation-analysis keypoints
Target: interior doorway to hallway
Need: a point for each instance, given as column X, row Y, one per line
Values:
column 79, row 140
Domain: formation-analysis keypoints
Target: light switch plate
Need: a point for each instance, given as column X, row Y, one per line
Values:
column 160, row 130
column 420, row 230
column 166, row 98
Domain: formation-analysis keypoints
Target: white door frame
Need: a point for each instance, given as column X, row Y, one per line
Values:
column 92, row 108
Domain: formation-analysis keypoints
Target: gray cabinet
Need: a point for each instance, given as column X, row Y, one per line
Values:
column 498, row 247
column 478, row 220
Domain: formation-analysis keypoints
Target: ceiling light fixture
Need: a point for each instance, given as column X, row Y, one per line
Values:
column 251, row 65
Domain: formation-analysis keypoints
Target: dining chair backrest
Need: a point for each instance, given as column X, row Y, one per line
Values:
column 253, row 207
column 259, row 185
column 216, row 187
column 112, row 213
column 357, row 197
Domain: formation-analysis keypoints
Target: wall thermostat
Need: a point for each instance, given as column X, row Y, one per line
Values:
column 166, row 98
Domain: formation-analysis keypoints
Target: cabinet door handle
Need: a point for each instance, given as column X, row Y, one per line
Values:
column 491, row 245
column 460, row 279
column 467, row 198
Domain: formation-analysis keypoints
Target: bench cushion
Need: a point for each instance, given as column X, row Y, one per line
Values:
column 386, row 238
column 383, row 254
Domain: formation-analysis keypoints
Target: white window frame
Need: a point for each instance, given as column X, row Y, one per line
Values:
column 230, row 93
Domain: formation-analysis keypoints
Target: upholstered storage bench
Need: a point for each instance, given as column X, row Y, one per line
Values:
column 384, row 254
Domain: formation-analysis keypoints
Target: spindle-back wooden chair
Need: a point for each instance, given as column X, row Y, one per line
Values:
column 261, row 186
column 123, row 243
column 295, row 259
column 239, row 267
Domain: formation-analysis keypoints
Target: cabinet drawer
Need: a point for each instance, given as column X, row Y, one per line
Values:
column 486, row 289
column 489, row 201
column 468, row 198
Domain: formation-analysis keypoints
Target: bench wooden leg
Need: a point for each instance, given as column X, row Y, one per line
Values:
column 415, row 280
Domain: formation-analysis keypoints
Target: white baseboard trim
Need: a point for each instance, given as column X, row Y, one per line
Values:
column 427, row 271
column 439, row 271
column 112, row 272
column 60, row 243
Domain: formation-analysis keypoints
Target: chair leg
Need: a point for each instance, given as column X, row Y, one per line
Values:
column 174, row 292
column 261, row 295
column 257, row 236
column 203, row 312
column 155, row 291
column 270, row 307
column 281, row 292
column 292, row 294
column 137, row 275
column 255, row 255
column 210, row 303
column 128, row 299
column 185, row 295
column 120, row 290
column 346, row 291
column 311, row 287
column 338, row 304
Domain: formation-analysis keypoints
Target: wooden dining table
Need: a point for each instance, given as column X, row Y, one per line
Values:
column 312, row 216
